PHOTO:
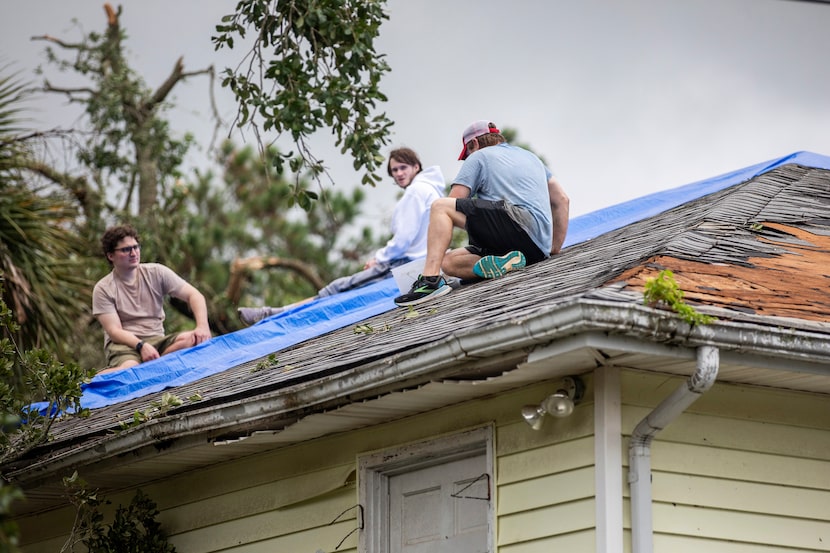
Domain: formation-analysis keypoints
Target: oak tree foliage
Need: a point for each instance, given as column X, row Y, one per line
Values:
column 310, row 64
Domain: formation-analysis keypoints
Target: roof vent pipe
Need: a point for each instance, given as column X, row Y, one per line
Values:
column 639, row 447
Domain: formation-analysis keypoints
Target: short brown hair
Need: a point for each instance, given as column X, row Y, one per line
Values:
column 488, row 139
column 114, row 235
column 403, row 155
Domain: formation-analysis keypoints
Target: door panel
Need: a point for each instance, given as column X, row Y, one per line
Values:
column 440, row 509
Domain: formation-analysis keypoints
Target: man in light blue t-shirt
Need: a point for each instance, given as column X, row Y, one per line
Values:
column 514, row 211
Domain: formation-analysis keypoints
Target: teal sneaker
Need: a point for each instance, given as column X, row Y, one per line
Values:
column 425, row 288
column 491, row 266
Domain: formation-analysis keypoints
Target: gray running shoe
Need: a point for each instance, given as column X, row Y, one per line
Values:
column 252, row 315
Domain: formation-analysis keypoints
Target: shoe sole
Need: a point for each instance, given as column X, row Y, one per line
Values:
column 445, row 289
column 493, row 267
column 248, row 318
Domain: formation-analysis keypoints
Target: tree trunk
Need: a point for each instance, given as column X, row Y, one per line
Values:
column 147, row 177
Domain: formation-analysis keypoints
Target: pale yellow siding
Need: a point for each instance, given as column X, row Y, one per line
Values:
column 743, row 469
column 286, row 499
column 546, row 484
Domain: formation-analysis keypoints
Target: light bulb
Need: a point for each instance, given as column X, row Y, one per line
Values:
column 533, row 415
column 558, row 404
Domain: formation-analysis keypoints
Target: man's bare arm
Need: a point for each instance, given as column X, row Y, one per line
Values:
column 459, row 191
column 111, row 324
column 198, row 306
column 559, row 208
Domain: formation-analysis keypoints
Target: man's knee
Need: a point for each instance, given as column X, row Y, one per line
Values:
column 182, row 340
column 173, row 342
column 443, row 204
column 125, row 364
column 443, row 211
column 442, row 208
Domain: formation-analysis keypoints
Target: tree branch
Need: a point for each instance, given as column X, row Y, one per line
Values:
column 49, row 87
column 24, row 138
column 241, row 267
column 59, row 42
column 165, row 88
column 77, row 186
column 177, row 74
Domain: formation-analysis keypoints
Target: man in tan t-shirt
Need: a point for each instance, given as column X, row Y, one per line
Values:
column 129, row 304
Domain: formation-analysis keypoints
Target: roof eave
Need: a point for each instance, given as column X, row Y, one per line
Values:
column 621, row 325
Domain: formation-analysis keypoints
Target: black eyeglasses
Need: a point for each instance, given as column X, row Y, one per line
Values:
column 129, row 249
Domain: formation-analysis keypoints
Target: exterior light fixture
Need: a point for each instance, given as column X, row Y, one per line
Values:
column 558, row 404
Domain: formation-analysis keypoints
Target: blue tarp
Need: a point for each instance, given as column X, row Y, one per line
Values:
column 326, row 314
column 599, row 222
column 223, row 352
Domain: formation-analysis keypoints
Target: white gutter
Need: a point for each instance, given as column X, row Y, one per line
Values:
column 639, row 447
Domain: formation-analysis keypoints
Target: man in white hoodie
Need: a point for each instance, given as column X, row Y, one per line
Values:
column 410, row 220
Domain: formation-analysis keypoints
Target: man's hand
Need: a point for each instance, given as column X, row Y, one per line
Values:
column 148, row 352
column 112, row 326
column 201, row 334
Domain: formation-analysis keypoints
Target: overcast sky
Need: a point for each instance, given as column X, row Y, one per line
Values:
column 621, row 98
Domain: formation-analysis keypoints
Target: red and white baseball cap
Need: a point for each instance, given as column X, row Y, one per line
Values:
column 476, row 129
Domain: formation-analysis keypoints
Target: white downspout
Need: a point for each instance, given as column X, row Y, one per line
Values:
column 639, row 448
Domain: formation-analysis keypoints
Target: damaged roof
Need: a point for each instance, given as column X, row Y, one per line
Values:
column 755, row 255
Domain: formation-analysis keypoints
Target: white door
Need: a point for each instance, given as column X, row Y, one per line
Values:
column 434, row 496
column 442, row 508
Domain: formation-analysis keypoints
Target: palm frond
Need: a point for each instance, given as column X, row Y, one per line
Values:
column 41, row 262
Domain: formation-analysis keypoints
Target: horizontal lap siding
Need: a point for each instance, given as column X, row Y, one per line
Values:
column 743, row 469
column 309, row 519
column 549, row 521
column 582, row 541
column 740, row 526
column 546, row 484
column 275, row 496
column 49, row 545
column 304, row 528
column 47, row 532
column 287, row 499
column 243, row 520
column 686, row 544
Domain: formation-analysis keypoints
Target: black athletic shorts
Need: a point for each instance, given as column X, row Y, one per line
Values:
column 492, row 231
